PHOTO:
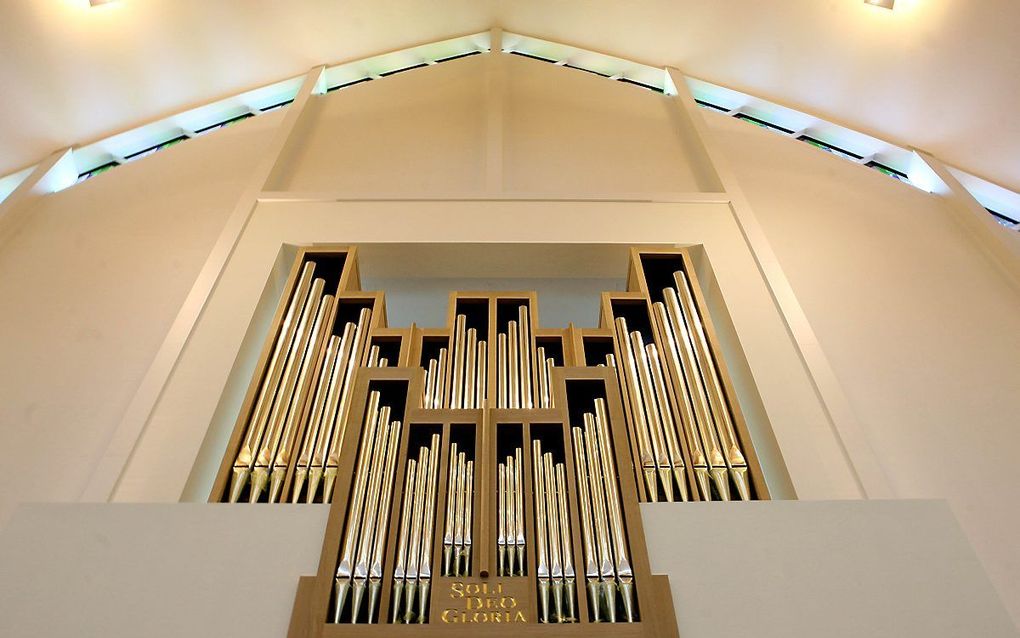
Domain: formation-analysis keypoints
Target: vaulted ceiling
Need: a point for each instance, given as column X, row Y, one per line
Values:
column 942, row 75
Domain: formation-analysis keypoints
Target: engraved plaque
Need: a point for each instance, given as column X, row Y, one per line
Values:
column 475, row 601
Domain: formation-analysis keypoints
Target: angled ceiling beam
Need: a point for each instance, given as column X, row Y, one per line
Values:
column 860, row 457
column 103, row 481
column 1001, row 245
column 52, row 174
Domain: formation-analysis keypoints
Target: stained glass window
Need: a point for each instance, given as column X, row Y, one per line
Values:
column 829, row 148
column 156, row 148
column 406, row 68
column 709, row 105
column 347, row 84
column 96, row 171
column 762, row 123
column 642, row 85
column 458, row 56
column 277, row 106
column 224, row 124
column 891, row 172
column 580, row 68
column 1002, row 219
column 532, row 56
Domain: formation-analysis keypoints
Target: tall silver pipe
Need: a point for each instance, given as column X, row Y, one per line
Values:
column 706, row 428
column 549, row 364
column 470, row 368
column 674, row 453
column 624, row 569
column 353, row 363
column 296, row 416
column 482, row 380
column 513, row 365
column 553, row 524
column 518, row 507
column 451, row 505
column 285, row 395
column 727, row 434
column 442, row 397
column 345, row 569
column 414, row 547
column 400, row 569
column 368, row 519
column 683, row 402
column 542, row 394
column 591, row 568
column 501, row 518
column 511, row 514
column 428, row 533
column 631, row 386
column 458, row 352
column 469, row 501
column 502, row 368
column 652, row 415
column 601, row 427
column 430, row 383
column 458, row 514
column 270, row 384
column 331, row 416
column 524, row 325
column 382, row 521
column 541, row 531
column 607, row 572
column 566, row 547
column 319, row 406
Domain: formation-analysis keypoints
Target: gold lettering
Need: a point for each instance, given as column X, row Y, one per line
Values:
column 472, row 588
column 507, row 602
column 519, row 617
column 456, row 590
column 447, row 615
column 474, row 602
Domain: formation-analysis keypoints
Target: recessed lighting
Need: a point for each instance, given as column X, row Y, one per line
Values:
column 885, row 4
column 96, row 3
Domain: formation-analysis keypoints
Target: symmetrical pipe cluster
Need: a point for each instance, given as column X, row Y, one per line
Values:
column 301, row 399
column 679, row 394
column 413, row 572
column 555, row 550
column 510, row 516
column 607, row 567
column 457, row 379
column 459, row 502
column 514, row 371
column 361, row 558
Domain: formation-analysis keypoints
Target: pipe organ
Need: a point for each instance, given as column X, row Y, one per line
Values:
column 488, row 473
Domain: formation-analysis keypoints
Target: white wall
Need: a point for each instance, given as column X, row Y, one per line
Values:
column 429, row 131
column 920, row 327
column 159, row 571
column 90, row 284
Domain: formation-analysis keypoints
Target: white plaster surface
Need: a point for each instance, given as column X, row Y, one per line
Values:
column 127, row 571
column 881, row 569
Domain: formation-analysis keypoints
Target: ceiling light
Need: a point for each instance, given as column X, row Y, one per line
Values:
column 885, row 4
column 96, row 3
